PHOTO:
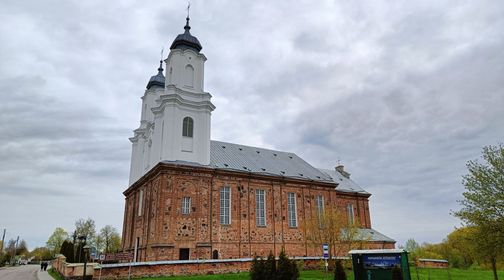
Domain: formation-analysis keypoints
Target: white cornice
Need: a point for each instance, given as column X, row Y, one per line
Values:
column 176, row 99
column 174, row 51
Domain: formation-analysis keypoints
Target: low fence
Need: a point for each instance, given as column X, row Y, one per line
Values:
column 166, row 268
column 71, row 271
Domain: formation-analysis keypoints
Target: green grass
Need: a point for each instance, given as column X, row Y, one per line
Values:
column 54, row 274
column 423, row 274
column 305, row 275
column 455, row 274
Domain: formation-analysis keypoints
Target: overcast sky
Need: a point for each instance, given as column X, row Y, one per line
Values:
column 402, row 93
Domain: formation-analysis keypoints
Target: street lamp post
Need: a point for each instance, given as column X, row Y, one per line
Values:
column 86, row 250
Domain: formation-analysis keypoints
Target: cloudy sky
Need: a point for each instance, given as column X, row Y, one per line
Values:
column 403, row 94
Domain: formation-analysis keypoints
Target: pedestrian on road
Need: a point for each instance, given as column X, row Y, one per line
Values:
column 45, row 265
column 41, row 266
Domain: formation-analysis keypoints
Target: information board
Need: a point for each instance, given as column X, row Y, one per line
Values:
column 381, row 261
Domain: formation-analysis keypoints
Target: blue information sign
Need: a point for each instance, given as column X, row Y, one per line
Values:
column 381, row 261
column 325, row 248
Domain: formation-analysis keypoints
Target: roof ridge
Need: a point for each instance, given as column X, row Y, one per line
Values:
column 252, row 147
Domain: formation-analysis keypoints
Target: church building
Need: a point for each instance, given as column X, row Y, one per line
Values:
column 190, row 197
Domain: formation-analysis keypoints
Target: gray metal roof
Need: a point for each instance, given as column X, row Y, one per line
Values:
column 374, row 235
column 159, row 79
column 262, row 161
column 186, row 40
column 344, row 184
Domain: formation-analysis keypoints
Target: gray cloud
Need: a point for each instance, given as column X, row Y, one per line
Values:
column 403, row 93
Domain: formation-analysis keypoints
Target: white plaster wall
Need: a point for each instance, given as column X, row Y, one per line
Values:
column 164, row 114
column 175, row 69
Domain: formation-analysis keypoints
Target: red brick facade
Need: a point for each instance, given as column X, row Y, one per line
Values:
column 162, row 230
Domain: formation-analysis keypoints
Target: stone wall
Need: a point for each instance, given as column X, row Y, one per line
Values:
column 71, row 271
column 192, row 267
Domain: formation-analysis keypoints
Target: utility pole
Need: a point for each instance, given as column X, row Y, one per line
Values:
column 3, row 240
column 13, row 260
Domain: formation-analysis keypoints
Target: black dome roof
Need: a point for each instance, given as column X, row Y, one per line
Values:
column 159, row 79
column 186, row 40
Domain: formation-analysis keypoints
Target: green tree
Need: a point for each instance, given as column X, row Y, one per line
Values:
column 332, row 226
column 257, row 271
column 286, row 268
column 22, row 248
column 411, row 245
column 86, row 228
column 108, row 240
column 270, row 266
column 460, row 248
column 67, row 249
column 41, row 254
column 483, row 203
column 56, row 239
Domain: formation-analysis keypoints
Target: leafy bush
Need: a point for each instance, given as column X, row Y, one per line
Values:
column 257, row 271
column 339, row 271
column 286, row 269
column 269, row 269
column 67, row 249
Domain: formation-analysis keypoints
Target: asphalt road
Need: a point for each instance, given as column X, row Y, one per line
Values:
column 22, row 272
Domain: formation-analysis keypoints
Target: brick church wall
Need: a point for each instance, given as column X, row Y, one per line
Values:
column 163, row 230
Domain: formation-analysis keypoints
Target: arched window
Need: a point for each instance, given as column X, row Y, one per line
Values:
column 189, row 75
column 215, row 254
column 187, row 127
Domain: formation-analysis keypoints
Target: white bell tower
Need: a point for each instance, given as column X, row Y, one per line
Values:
column 175, row 124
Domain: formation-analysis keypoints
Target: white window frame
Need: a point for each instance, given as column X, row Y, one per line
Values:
column 351, row 215
column 225, row 205
column 260, row 208
column 320, row 208
column 188, row 127
column 140, row 202
column 292, row 210
column 186, row 205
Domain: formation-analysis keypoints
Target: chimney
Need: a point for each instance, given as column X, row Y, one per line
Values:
column 341, row 169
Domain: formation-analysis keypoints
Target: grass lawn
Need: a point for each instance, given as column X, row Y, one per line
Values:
column 423, row 274
column 54, row 274
column 305, row 275
column 455, row 274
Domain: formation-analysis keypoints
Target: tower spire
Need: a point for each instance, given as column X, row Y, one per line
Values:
column 187, row 27
column 160, row 69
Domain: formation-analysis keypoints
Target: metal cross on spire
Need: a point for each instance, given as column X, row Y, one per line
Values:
column 188, row 7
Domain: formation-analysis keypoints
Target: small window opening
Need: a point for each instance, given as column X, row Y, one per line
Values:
column 187, row 127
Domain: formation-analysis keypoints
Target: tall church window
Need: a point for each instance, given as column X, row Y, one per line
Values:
column 350, row 212
column 189, row 76
column 225, row 206
column 320, row 209
column 186, row 205
column 291, row 209
column 260, row 208
column 140, row 203
column 187, row 127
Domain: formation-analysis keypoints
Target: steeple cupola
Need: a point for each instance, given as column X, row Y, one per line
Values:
column 159, row 79
column 186, row 40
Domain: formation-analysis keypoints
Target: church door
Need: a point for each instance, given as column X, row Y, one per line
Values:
column 184, row 254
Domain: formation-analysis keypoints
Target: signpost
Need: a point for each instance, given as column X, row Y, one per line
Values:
column 325, row 249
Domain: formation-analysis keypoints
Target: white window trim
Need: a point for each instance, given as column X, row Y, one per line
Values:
column 320, row 210
column 295, row 220
column 258, row 218
column 186, row 205
column 229, row 207
column 351, row 214
column 140, row 203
